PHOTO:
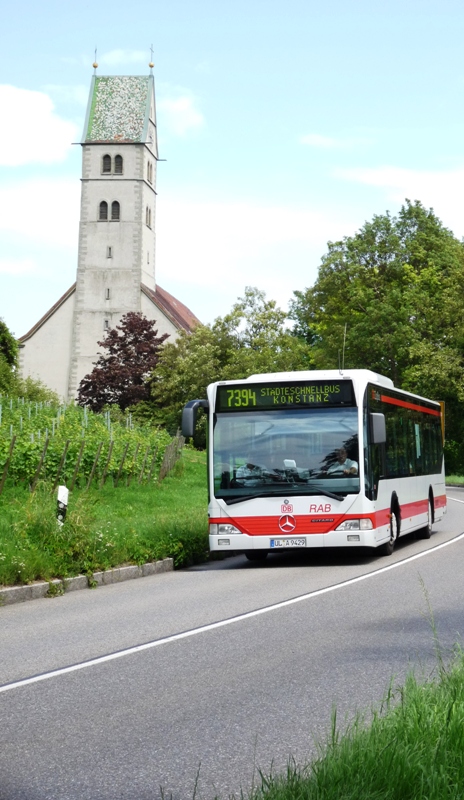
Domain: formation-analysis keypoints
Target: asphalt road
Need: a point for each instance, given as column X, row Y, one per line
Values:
column 217, row 671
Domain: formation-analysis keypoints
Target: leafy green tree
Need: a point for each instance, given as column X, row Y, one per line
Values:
column 8, row 345
column 184, row 369
column 394, row 284
column 8, row 358
column 252, row 338
column 260, row 339
column 391, row 298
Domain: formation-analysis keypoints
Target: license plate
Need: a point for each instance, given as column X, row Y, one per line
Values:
column 288, row 542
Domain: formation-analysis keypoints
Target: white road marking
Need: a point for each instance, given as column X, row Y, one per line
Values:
column 222, row 623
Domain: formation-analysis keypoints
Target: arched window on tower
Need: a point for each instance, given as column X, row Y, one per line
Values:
column 103, row 211
column 149, row 172
column 115, row 211
column 106, row 165
column 118, row 165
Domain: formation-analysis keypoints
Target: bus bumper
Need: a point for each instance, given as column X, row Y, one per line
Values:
column 242, row 542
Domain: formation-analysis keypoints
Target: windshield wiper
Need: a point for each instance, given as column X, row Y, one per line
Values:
column 232, row 500
column 326, row 493
column 290, row 490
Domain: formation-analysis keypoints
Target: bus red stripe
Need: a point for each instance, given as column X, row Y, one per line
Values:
column 305, row 524
column 404, row 404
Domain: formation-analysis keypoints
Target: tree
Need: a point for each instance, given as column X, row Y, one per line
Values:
column 120, row 376
column 8, row 358
column 391, row 298
column 260, row 339
column 252, row 338
column 11, row 383
column 184, row 369
column 396, row 284
column 8, row 345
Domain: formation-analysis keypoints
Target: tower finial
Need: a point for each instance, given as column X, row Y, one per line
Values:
column 95, row 65
column 151, row 64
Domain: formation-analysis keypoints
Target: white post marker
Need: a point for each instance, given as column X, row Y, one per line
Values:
column 62, row 504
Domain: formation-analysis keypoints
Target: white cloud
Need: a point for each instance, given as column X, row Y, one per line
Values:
column 23, row 266
column 31, row 131
column 179, row 114
column 115, row 58
column 442, row 191
column 77, row 95
column 46, row 211
column 207, row 252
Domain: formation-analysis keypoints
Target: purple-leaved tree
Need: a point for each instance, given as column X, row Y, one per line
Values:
column 120, row 375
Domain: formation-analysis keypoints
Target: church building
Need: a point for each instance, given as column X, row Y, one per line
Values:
column 116, row 258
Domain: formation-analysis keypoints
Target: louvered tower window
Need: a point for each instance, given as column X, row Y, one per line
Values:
column 106, row 166
column 118, row 165
column 103, row 212
column 115, row 211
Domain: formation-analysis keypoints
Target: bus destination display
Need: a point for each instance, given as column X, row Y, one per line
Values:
column 249, row 396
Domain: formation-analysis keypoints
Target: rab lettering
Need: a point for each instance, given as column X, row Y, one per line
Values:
column 320, row 509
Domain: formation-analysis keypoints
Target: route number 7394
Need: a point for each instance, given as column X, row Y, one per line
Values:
column 241, row 398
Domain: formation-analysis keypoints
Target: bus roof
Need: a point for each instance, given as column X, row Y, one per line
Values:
column 363, row 375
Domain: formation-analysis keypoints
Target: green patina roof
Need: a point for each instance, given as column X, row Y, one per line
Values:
column 118, row 109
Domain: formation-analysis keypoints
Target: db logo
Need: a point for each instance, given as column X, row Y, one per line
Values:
column 286, row 508
column 287, row 523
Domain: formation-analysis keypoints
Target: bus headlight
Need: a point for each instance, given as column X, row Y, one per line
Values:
column 356, row 525
column 222, row 529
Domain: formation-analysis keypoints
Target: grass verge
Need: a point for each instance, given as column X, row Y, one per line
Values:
column 413, row 749
column 105, row 527
column 455, row 480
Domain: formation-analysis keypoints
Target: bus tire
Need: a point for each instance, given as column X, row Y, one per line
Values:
column 388, row 547
column 426, row 531
column 256, row 555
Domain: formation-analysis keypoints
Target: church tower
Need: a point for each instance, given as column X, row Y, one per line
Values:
column 117, row 222
column 116, row 259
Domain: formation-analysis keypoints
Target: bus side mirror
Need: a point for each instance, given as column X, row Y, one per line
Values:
column 378, row 429
column 189, row 416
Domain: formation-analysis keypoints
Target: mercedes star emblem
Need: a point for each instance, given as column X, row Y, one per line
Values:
column 287, row 523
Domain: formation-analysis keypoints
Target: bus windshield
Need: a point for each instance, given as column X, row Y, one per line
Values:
column 286, row 452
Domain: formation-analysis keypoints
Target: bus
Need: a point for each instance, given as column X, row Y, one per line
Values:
column 324, row 458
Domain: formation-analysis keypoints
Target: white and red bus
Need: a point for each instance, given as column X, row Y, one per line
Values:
column 319, row 459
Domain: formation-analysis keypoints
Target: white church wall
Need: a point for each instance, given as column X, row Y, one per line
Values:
column 45, row 355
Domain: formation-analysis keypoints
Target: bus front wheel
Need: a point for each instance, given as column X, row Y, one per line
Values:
column 256, row 555
column 426, row 531
column 388, row 547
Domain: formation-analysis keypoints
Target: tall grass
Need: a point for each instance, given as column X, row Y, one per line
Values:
column 105, row 527
column 412, row 749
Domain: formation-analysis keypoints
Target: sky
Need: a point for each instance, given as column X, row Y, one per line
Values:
column 283, row 126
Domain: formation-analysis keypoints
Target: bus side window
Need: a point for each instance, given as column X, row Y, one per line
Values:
column 391, row 446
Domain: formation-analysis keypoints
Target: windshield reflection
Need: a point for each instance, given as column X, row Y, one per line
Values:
column 302, row 451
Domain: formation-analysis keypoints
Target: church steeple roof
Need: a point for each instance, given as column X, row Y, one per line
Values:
column 119, row 109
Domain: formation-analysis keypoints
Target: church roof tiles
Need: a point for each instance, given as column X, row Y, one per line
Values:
column 180, row 315
column 118, row 110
